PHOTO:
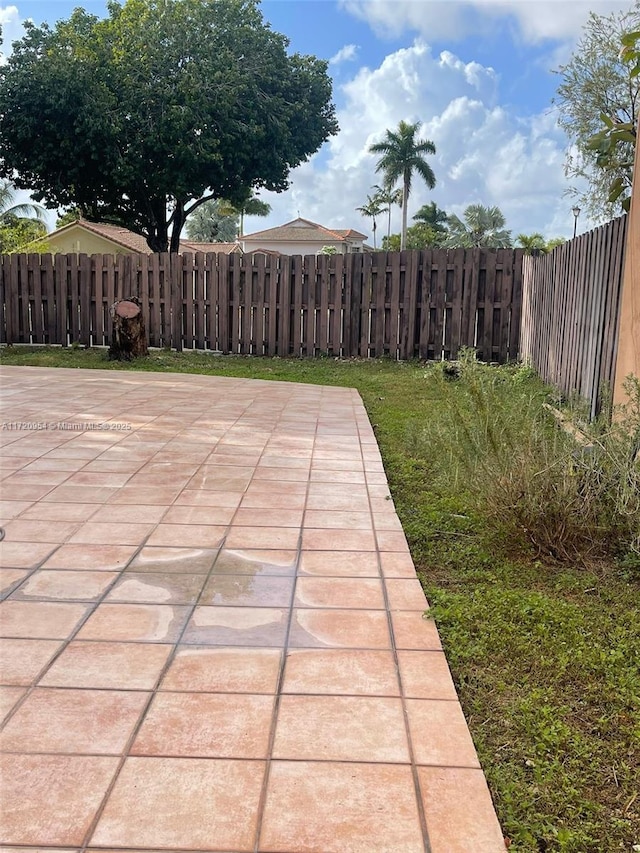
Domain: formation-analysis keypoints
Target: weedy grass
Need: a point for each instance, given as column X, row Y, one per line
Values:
column 540, row 626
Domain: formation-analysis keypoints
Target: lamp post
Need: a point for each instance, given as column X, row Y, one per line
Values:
column 576, row 213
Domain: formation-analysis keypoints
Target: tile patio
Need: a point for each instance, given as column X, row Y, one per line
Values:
column 213, row 632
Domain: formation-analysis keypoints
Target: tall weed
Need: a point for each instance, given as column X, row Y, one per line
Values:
column 527, row 476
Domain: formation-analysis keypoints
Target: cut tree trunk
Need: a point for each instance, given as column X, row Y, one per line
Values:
column 128, row 340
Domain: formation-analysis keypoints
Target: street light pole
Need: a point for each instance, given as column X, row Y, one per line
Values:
column 576, row 214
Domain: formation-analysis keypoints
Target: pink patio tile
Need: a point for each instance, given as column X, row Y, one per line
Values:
column 339, row 519
column 338, row 492
column 60, row 585
column 387, row 520
column 255, row 561
column 339, row 592
column 21, row 661
column 179, row 560
column 262, row 537
column 378, row 809
column 237, row 626
column 9, row 697
column 392, row 540
column 397, row 565
column 150, row 495
column 10, row 578
column 34, row 478
column 248, row 591
column 97, row 722
column 25, row 493
column 299, row 476
column 405, row 594
column 365, row 629
column 129, row 514
column 341, row 671
column 439, row 733
column 340, row 563
column 81, row 494
column 157, row 588
column 24, row 555
column 414, row 630
column 101, row 558
column 108, row 666
column 199, row 515
column 214, row 805
column 98, row 478
column 111, row 533
column 425, row 675
column 224, row 670
column 258, row 500
column 338, row 501
column 323, row 476
column 150, row 623
column 193, row 497
column 39, row 531
column 459, row 811
column 338, row 540
column 10, row 509
column 188, row 535
column 59, row 512
column 268, row 517
column 39, row 619
column 51, row 799
column 205, row 725
column 341, row 728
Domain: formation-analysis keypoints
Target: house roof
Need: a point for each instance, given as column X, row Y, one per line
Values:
column 137, row 243
column 303, row 231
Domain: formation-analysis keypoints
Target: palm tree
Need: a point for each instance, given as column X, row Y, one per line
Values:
column 433, row 216
column 19, row 223
column 251, row 206
column 211, row 223
column 532, row 243
column 387, row 197
column 372, row 208
column 482, row 226
column 402, row 155
column 18, row 211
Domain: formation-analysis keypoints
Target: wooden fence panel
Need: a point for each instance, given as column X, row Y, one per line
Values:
column 570, row 312
column 402, row 305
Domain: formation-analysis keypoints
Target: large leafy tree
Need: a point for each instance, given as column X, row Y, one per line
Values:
column 598, row 84
column 402, row 155
column 140, row 118
column 482, row 227
column 419, row 236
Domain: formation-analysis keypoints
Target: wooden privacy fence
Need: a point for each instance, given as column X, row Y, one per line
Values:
column 570, row 312
column 400, row 304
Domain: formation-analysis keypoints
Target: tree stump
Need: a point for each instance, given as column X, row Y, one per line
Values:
column 128, row 340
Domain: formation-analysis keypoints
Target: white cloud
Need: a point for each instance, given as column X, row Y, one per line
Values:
column 485, row 153
column 11, row 29
column 345, row 54
column 456, row 19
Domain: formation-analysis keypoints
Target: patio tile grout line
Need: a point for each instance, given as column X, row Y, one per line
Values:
column 412, row 758
column 262, row 802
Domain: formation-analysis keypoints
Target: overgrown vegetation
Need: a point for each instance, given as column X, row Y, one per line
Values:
column 543, row 642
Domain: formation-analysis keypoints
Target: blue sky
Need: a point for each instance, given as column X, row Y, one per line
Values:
column 478, row 75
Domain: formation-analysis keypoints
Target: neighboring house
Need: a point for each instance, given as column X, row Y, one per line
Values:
column 94, row 238
column 303, row 237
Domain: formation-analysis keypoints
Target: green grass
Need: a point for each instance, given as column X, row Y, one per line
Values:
column 545, row 656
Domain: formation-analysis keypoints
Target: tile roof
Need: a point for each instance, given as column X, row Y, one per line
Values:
column 137, row 243
column 302, row 230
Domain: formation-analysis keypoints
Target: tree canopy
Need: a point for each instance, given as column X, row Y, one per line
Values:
column 402, row 155
column 139, row 118
column 598, row 85
column 213, row 222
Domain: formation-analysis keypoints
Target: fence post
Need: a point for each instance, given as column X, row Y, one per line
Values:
column 628, row 354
